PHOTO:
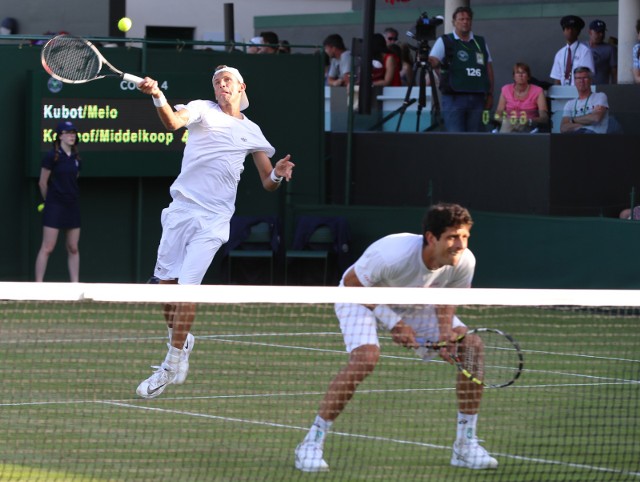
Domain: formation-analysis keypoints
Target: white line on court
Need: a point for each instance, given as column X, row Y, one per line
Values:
column 369, row 437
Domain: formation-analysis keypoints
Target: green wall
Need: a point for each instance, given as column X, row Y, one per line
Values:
column 519, row 251
column 121, row 212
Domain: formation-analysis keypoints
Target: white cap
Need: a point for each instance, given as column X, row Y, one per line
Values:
column 256, row 40
column 244, row 100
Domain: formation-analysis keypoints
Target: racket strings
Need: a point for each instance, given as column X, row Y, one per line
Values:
column 71, row 58
column 473, row 361
column 501, row 359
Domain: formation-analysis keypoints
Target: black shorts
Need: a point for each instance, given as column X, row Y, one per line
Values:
column 61, row 215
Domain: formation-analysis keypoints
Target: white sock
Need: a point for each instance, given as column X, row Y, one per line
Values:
column 318, row 430
column 170, row 330
column 466, row 428
column 173, row 356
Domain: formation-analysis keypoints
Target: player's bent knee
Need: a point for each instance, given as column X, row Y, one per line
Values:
column 365, row 358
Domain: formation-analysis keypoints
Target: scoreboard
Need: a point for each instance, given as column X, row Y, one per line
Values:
column 119, row 131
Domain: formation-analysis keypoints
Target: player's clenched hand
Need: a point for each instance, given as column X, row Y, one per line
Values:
column 404, row 335
column 149, row 86
column 451, row 337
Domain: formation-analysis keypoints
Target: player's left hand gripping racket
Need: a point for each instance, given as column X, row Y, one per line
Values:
column 74, row 60
column 486, row 356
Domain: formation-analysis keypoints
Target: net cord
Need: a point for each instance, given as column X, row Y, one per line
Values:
column 223, row 294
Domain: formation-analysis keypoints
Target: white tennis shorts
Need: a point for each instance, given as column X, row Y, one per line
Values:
column 360, row 327
column 191, row 236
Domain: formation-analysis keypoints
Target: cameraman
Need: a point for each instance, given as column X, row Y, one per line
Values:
column 466, row 74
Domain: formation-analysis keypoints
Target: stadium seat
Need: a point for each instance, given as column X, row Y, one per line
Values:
column 325, row 239
column 251, row 238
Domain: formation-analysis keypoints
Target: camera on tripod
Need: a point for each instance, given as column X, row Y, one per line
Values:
column 425, row 29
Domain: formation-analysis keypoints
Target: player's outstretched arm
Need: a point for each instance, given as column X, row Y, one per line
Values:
column 272, row 176
column 170, row 119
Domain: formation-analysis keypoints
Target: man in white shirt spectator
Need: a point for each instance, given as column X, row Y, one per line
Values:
column 573, row 55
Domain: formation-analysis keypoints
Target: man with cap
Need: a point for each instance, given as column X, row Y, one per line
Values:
column 9, row 26
column 605, row 56
column 573, row 55
column 197, row 221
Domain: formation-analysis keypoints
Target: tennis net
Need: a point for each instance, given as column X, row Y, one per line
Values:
column 264, row 356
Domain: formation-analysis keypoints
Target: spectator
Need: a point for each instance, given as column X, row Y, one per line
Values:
column 636, row 56
column 522, row 106
column 573, row 55
column 386, row 68
column 284, row 47
column 406, row 61
column 255, row 45
column 9, row 26
column 271, row 41
column 627, row 213
column 605, row 55
column 589, row 113
column 390, row 36
column 340, row 60
column 466, row 74
column 58, row 185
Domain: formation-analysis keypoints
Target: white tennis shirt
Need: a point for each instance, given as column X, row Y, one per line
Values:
column 214, row 156
column 396, row 261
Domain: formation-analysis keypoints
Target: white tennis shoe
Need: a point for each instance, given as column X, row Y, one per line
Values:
column 183, row 366
column 309, row 457
column 472, row 455
column 156, row 383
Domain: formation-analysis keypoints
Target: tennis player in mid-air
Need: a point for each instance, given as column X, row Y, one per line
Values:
column 196, row 223
column 437, row 258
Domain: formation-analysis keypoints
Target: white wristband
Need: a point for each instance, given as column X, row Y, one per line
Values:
column 386, row 316
column 160, row 101
column 275, row 178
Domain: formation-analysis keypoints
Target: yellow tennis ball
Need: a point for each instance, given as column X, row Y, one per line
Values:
column 124, row 24
column 40, row 207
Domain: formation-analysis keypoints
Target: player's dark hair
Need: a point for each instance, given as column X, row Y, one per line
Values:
column 441, row 216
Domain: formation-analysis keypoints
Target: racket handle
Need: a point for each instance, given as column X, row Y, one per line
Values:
column 434, row 345
column 428, row 344
column 132, row 78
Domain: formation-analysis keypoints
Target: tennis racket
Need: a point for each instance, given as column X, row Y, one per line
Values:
column 486, row 356
column 74, row 60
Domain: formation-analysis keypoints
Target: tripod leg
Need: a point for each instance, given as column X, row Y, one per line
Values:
column 407, row 97
column 435, row 101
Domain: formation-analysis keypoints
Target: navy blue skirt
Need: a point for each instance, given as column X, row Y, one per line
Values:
column 61, row 215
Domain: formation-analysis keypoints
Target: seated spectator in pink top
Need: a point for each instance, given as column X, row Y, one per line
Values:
column 522, row 106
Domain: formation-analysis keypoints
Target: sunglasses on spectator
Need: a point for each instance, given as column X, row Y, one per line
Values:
column 392, row 39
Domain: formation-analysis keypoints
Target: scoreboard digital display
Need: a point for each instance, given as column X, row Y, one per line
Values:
column 109, row 125
column 119, row 131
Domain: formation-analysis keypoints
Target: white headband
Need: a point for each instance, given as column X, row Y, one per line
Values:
column 235, row 72
column 244, row 101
